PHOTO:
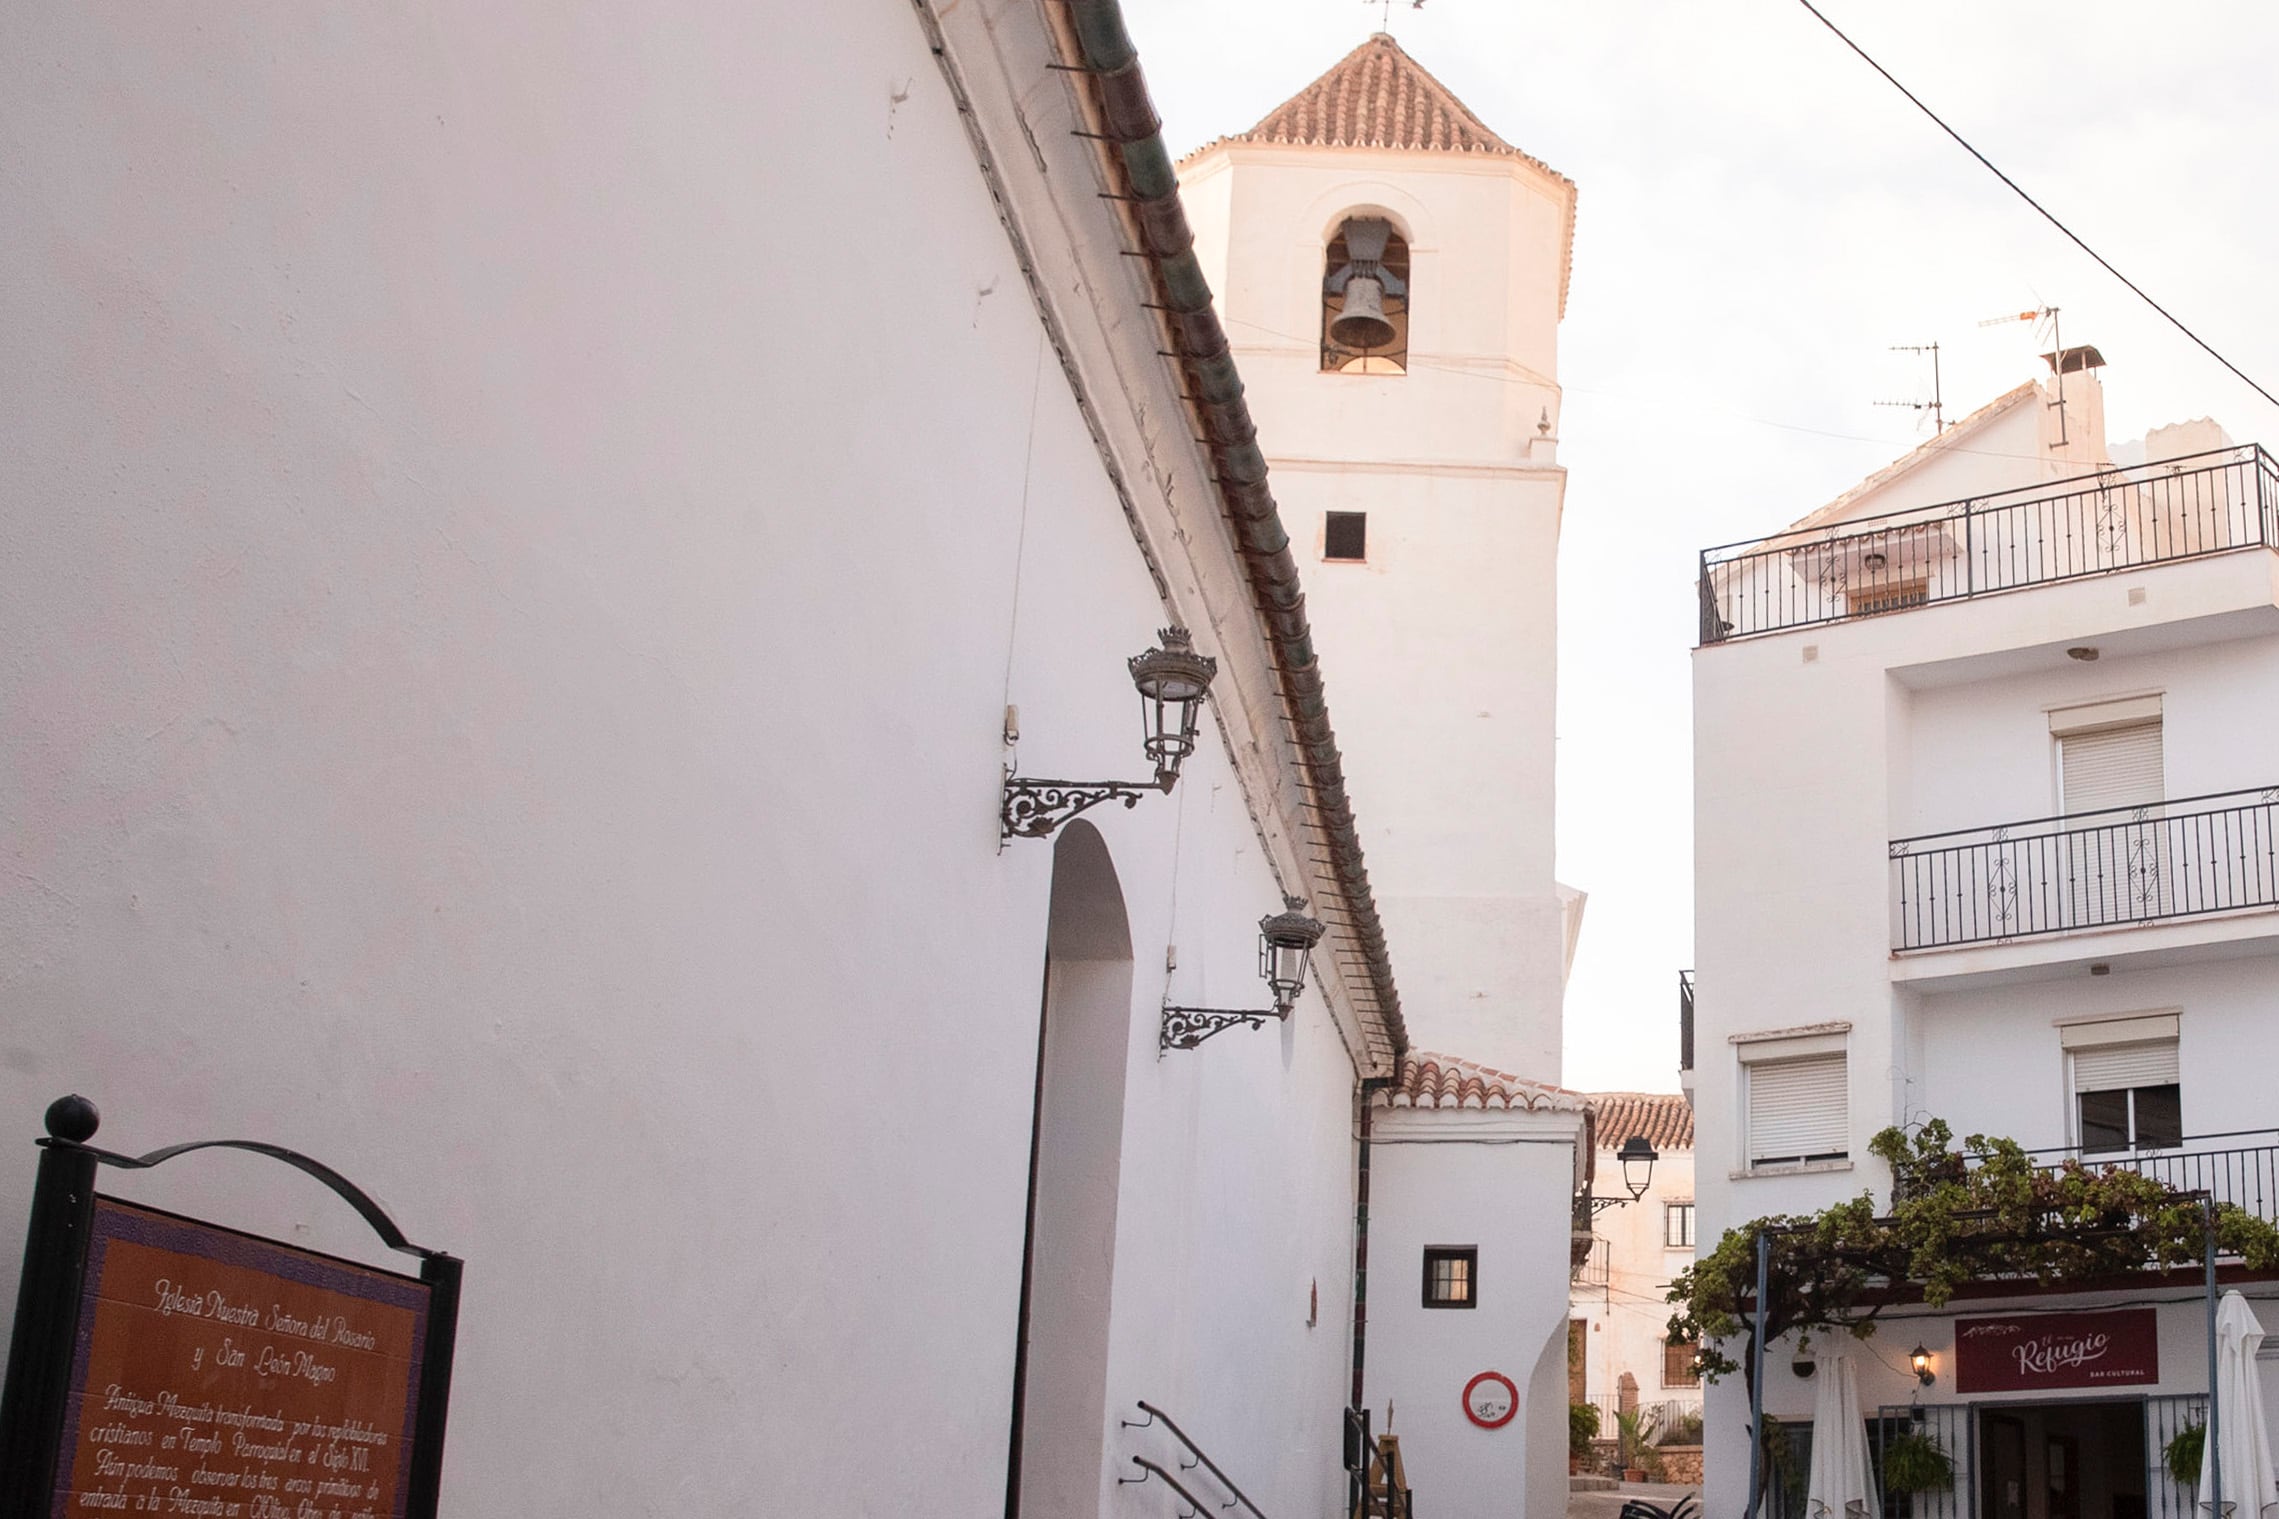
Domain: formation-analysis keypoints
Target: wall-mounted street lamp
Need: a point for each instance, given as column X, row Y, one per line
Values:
column 1920, row 1359
column 1637, row 1156
column 1171, row 679
column 1285, row 948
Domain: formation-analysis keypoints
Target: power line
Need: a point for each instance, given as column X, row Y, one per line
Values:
column 2037, row 205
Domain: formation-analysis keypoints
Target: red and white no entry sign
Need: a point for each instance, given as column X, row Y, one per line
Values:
column 1490, row 1400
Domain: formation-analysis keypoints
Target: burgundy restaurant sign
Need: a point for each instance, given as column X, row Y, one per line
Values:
column 2038, row 1351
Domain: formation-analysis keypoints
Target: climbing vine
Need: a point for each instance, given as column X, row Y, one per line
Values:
column 1961, row 1214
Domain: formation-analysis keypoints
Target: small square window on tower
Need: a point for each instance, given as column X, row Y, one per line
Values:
column 1345, row 535
column 1451, row 1276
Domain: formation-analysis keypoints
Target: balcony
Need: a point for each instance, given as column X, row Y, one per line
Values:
column 2188, row 858
column 1685, row 1021
column 2124, row 518
column 2240, row 1167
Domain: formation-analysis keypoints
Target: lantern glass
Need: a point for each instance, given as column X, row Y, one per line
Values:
column 1638, row 1156
column 1285, row 947
column 1171, row 679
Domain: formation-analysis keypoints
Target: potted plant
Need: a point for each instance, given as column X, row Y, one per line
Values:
column 1915, row 1462
column 1582, row 1429
column 2182, row 1454
column 1634, row 1444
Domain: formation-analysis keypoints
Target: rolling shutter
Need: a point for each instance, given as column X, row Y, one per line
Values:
column 1798, row 1109
column 2115, row 1067
column 2117, row 767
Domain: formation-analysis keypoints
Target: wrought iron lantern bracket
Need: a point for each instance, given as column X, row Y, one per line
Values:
column 1032, row 809
column 1186, row 1027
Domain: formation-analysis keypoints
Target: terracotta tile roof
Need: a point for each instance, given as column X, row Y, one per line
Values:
column 1664, row 1118
column 1377, row 96
column 1428, row 1080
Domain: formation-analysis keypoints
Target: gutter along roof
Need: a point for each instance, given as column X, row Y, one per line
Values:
column 1140, row 173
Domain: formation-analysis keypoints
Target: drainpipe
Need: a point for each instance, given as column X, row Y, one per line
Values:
column 1370, row 1087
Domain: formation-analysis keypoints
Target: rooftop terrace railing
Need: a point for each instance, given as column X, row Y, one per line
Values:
column 2151, row 863
column 2120, row 518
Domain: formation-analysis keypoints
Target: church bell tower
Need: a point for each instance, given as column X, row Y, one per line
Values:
column 1392, row 274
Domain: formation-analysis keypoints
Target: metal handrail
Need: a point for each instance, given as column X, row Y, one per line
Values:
column 1154, row 1413
column 2151, row 862
column 2181, row 1147
column 1806, row 536
column 1170, row 1481
column 2245, row 1176
column 2122, row 517
column 2130, row 812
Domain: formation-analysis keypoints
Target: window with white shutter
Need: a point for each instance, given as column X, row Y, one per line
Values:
column 2127, row 1084
column 2116, row 767
column 1798, row 1110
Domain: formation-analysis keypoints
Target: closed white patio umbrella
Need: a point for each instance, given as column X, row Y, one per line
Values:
column 2243, row 1439
column 1841, row 1483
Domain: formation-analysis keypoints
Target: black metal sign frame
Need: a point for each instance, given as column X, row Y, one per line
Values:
column 35, row 1397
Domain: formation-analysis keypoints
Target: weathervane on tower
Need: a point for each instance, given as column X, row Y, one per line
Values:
column 1385, row 9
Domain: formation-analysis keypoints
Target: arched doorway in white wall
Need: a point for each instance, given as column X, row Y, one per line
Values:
column 1060, row 1367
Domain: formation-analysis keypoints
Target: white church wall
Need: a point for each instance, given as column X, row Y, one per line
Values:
column 513, row 593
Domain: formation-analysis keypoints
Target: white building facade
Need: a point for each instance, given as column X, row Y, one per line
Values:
column 1987, row 779
column 1619, row 1355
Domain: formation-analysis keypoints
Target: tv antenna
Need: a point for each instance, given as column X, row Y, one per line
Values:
column 1936, row 406
column 2057, row 357
column 1385, row 12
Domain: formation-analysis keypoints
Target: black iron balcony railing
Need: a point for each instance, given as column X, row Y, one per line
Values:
column 2119, row 518
column 1596, row 1268
column 1685, row 1020
column 2147, row 864
column 2243, row 1171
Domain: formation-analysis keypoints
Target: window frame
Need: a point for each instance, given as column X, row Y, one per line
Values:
column 1788, row 1047
column 2148, row 1031
column 1330, row 522
column 1692, row 1352
column 1669, row 1215
column 1469, row 1256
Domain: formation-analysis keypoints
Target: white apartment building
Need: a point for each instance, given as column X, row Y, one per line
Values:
column 1987, row 829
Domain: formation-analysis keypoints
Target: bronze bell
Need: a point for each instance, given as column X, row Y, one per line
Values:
column 1361, row 323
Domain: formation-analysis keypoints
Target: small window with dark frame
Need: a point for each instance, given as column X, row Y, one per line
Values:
column 1681, row 1364
column 1345, row 536
column 1677, row 1226
column 1452, row 1276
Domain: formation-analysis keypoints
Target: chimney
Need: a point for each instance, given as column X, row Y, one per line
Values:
column 2073, row 413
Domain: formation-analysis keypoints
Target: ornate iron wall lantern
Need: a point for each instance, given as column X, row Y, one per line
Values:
column 1171, row 679
column 1285, row 952
column 1920, row 1359
column 1637, row 1156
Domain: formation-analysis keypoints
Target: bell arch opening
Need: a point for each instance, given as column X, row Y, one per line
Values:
column 1365, row 298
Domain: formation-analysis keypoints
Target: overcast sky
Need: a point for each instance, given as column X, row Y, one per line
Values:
column 1761, row 217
